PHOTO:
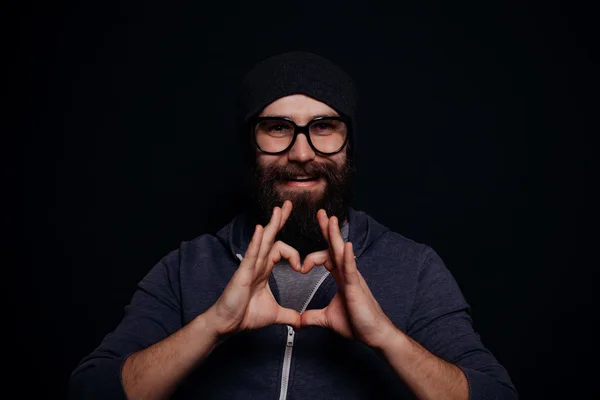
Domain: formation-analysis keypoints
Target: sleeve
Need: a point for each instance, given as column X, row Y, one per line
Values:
column 153, row 314
column 440, row 322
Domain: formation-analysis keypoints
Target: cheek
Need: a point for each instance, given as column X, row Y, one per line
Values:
column 266, row 160
column 339, row 159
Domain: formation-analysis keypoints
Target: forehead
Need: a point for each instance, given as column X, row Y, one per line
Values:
column 298, row 107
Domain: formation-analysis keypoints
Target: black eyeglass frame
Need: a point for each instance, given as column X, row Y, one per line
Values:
column 301, row 129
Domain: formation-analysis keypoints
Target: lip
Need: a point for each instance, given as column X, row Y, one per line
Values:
column 303, row 184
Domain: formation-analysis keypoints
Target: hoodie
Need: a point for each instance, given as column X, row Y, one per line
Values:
column 409, row 280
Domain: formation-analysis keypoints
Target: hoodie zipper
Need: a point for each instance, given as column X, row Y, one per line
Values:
column 289, row 345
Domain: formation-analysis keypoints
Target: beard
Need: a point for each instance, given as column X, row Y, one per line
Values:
column 265, row 185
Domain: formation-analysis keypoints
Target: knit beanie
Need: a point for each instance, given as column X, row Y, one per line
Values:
column 295, row 73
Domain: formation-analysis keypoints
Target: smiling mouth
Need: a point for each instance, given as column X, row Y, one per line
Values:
column 304, row 182
column 303, row 179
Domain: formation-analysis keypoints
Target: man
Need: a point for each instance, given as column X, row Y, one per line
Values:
column 302, row 296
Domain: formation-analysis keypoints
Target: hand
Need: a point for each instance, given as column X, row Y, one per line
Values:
column 247, row 301
column 353, row 312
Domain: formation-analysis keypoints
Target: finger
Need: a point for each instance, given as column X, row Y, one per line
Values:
column 282, row 250
column 336, row 241
column 314, row 318
column 269, row 236
column 287, row 316
column 322, row 257
column 349, row 269
column 286, row 210
column 249, row 259
column 273, row 226
column 323, row 223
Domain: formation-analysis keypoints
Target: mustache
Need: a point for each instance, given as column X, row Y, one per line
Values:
column 290, row 171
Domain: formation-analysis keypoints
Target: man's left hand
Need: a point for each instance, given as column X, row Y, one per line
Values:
column 353, row 312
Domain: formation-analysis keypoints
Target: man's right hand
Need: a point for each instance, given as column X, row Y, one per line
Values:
column 247, row 301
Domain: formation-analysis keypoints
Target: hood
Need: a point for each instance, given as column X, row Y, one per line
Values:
column 363, row 231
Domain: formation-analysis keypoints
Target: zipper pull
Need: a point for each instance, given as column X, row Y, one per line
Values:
column 290, row 336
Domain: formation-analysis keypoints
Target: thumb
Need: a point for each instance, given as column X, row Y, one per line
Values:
column 287, row 316
column 314, row 318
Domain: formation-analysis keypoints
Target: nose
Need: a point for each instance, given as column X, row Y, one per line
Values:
column 301, row 151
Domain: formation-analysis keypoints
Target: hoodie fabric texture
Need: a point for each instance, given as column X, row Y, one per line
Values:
column 409, row 280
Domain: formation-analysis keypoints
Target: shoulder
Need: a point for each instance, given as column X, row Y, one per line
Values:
column 204, row 247
column 394, row 244
column 189, row 254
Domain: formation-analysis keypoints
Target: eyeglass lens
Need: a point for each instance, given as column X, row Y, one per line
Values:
column 275, row 135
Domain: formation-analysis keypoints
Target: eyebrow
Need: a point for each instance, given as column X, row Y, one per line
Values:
column 320, row 115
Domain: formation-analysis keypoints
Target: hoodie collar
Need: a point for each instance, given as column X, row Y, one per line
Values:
column 363, row 231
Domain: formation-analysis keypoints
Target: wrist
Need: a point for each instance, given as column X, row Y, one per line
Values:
column 393, row 340
column 215, row 325
column 205, row 325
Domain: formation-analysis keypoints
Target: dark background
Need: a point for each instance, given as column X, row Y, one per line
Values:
column 473, row 120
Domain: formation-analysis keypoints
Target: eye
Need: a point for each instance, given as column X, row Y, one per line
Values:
column 278, row 128
column 274, row 128
column 323, row 126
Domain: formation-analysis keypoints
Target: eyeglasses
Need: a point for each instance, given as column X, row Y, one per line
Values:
column 276, row 135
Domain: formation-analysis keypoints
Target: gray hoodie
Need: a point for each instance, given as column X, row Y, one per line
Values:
column 409, row 280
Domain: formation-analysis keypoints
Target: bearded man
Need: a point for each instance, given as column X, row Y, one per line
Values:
column 301, row 296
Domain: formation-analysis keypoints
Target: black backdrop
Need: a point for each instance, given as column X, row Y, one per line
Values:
column 472, row 125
